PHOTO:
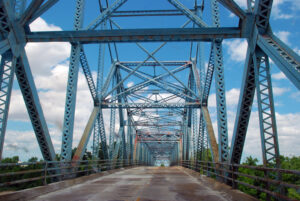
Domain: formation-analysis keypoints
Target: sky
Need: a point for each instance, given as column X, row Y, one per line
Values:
column 49, row 64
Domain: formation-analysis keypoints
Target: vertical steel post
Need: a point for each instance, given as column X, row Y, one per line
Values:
column 266, row 111
column 121, row 114
column 96, row 136
column 68, row 126
column 7, row 77
column 220, row 88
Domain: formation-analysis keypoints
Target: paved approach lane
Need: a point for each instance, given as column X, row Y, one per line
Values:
column 148, row 184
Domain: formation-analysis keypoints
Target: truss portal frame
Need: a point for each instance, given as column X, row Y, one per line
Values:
column 162, row 115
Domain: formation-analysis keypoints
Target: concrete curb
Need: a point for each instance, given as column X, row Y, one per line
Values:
column 29, row 194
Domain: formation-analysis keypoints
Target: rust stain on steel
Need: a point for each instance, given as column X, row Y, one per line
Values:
column 211, row 133
column 84, row 138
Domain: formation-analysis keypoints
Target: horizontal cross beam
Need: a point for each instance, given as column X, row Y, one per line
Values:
column 153, row 63
column 151, row 105
column 143, row 13
column 135, row 35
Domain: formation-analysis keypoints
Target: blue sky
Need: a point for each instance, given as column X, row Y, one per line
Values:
column 49, row 64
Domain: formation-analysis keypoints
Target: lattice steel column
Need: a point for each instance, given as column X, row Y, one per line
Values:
column 220, row 89
column 121, row 114
column 7, row 77
column 17, row 42
column 267, row 120
column 195, row 133
column 97, row 134
column 183, row 137
column 96, row 140
column 129, row 146
column 102, row 134
column 191, row 125
column 112, row 131
column 19, row 7
column 200, row 138
column 67, row 137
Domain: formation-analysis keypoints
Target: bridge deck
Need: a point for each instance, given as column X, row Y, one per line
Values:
column 148, row 184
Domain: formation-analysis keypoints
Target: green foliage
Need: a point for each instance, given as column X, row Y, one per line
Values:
column 292, row 193
column 14, row 159
column 162, row 165
column 26, row 175
column 292, row 163
column 253, row 192
column 205, row 155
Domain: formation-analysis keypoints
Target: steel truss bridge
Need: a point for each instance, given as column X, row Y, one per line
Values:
column 164, row 113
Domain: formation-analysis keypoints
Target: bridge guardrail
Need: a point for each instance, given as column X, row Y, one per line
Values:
column 265, row 181
column 17, row 176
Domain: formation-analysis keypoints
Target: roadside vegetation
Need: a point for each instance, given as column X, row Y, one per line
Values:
column 290, row 163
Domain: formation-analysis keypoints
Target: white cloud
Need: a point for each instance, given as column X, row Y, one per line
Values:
column 288, row 129
column 43, row 56
column 130, row 84
column 296, row 96
column 278, row 11
column 232, row 98
column 41, row 25
column 279, row 76
column 49, row 65
column 297, row 50
column 242, row 3
column 236, row 49
column 287, row 124
column 284, row 36
column 277, row 91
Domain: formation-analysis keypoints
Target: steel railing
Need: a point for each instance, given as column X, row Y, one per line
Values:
column 17, row 176
column 269, row 181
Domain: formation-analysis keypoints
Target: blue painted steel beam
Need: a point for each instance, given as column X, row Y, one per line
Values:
column 153, row 63
column 96, row 140
column 97, row 129
column 209, row 76
column 19, row 8
column 7, row 69
column 105, row 14
column 88, row 75
column 151, row 105
column 285, row 58
column 196, row 19
column 69, row 114
column 5, row 25
column 221, row 103
column 4, row 46
column 121, row 114
column 27, row 85
column 32, row 8
column 262, row 11
column 102, row 134
column 171, row 88
column 112, row 127
column 46, row 6
column 109, row 79
column 34, row 108
column 266, row 110
column 136, row 35
column 142, row 13
column 233, row 7
column 220, row 88
column 243, row 111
